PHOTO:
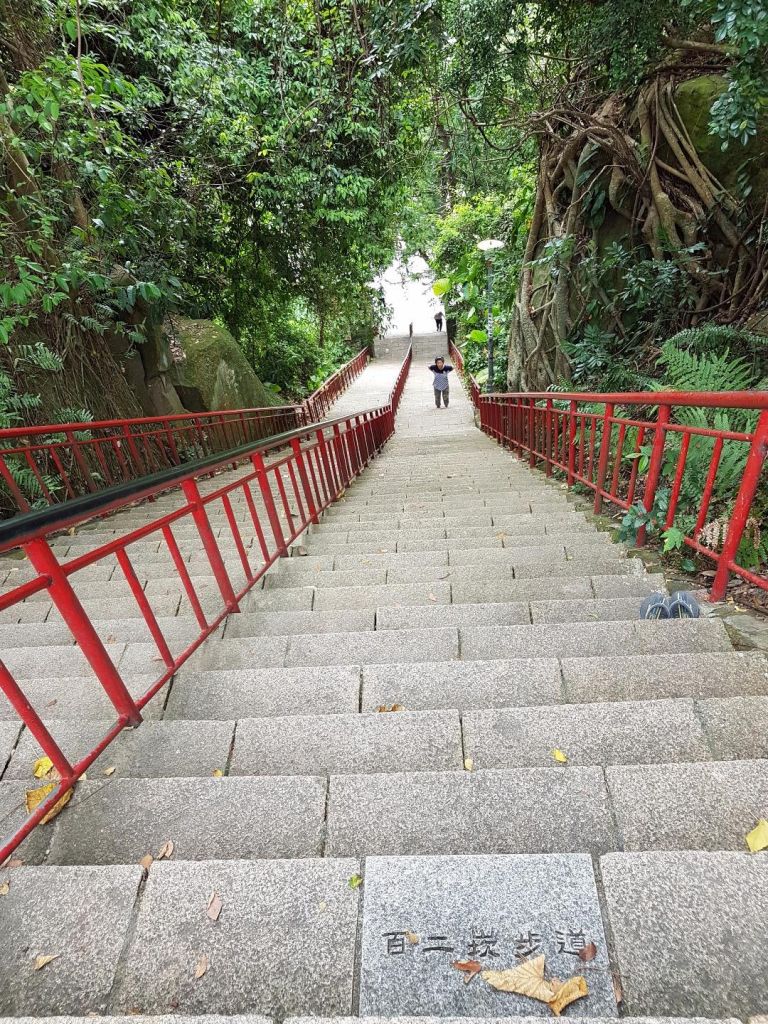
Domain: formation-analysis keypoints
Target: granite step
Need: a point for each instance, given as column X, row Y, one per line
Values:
column 348, row 743
column 133, row 949
column 119, row 820
column 685, row 806
column 370, row 576
column 535, row 681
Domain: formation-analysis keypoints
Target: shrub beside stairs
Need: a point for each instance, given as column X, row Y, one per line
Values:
column 440, row 719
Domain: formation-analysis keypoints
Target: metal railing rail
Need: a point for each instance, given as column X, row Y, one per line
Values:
column 281, row 486
column 63, row 461
column 604, row 451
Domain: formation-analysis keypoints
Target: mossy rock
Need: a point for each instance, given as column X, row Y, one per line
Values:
column 215, row 374
column 694, row 99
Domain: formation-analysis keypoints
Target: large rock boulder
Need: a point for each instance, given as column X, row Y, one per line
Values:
column 694, row 99
column 210, row 371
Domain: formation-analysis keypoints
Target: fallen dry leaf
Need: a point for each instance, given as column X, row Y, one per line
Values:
column 110, row 771
column 559, row 756
column 42, row 767
column 567, row 993
column 5, row 888
column 468, row 764
column 201, row 966
column 355, row 881
column 618, row 991
column 34, row 797
column 214, row 907
column 413, row 938
column 41, row 961
column 469, row 968
column 391, row 707
column 147, row 861
column 218, row 773
column 588, row 953
column 525, row 980
column 757, row 839
column 166, row 851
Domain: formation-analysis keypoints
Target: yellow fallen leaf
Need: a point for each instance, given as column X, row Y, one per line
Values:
column 757, row 839
column 413, row 938
column 527, row 979
column 355, row 881
column 201, row 966
column 468, row 764
column 567, row 993
column 34, row 797
column 559, row 756
column 42, row 766
column 165, row 851
column 111, row 770
column 41, row 961
column 5, row 888
column 147, row 861
column 218, row 773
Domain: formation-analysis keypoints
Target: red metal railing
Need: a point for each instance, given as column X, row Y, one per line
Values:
column 63, row 461
column 320, row 401
column 276, row 489
column 634, row 445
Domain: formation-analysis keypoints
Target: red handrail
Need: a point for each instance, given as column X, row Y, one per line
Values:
column 557, row 429
column 284, row 483
column 63, row 461
column 321, row 400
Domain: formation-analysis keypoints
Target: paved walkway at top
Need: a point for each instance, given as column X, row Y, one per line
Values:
column 561, row 780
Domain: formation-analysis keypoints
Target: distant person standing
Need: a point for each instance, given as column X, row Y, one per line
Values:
column 439, row 320
column 440, row 370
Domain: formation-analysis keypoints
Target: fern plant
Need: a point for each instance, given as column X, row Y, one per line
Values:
column 688, row 370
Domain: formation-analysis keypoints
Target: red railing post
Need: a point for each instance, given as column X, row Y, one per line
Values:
column 88, row 640
column 749, row 484
column 33, row 722
column 269, row 502
column 654, row 466
column 605, row 450
column 548, row 437
column 532, row 432
column 203, row 525
column 304, row 478
column 133, row 449
column 572, row 430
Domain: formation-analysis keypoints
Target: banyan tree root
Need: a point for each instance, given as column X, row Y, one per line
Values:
column 638, row 152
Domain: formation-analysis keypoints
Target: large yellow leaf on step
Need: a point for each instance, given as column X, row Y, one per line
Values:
column 527, row 979
column 757, row 839
column 34, row 797
column 570, row 990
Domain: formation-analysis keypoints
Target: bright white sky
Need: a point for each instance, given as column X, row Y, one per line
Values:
column 410, row 300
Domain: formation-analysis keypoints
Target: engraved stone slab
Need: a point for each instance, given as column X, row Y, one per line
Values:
column 422, row 914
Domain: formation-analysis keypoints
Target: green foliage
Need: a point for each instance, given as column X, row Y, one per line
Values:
column 742, row 27
column 237, row 162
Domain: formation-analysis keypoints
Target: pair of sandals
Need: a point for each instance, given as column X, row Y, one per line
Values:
column 680, row 605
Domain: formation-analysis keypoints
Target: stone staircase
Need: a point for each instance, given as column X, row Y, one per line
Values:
column 358, row 851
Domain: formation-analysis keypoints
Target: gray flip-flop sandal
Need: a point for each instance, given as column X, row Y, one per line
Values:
column 654, row 607
column 683, row 605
